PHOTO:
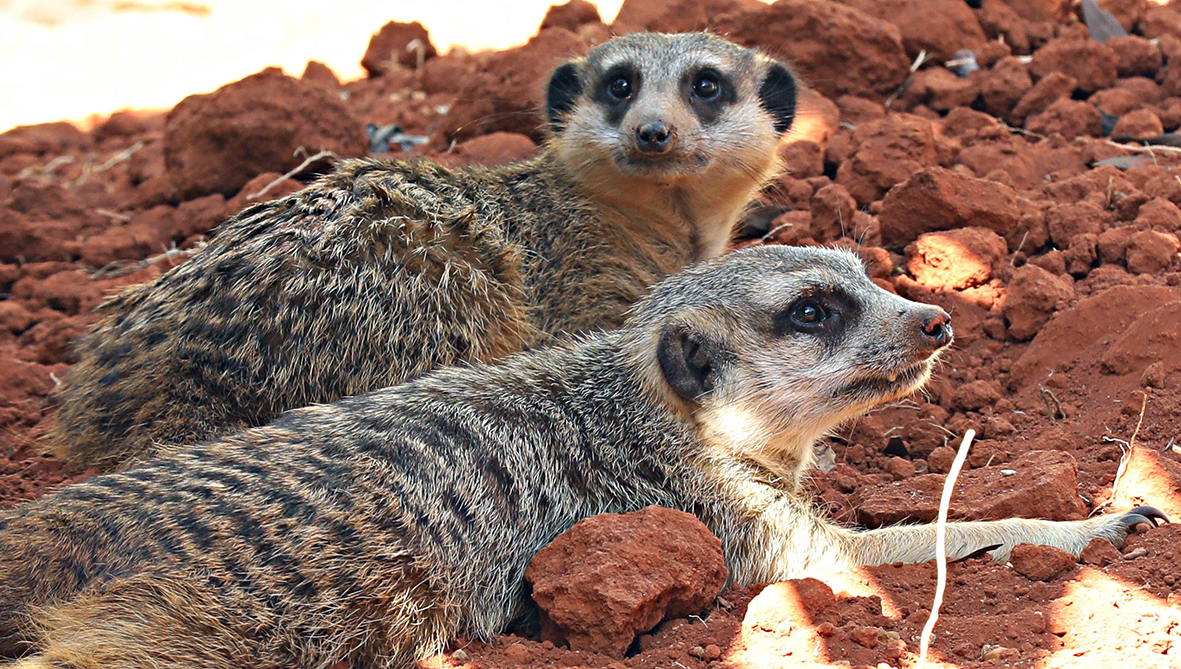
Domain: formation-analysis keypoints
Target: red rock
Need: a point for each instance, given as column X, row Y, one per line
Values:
column 955, row 259
column 1041, row 10
column 857, row 110
column 1067, row 220
column 319, row 74
column 41, row 139
column 24, row 239
column 71, row 292
column 1080, row 254
column 998, row 20
column 677, row 16
column 976, row 395
column 1078, row 332
column 938, row 199
column 571, row 15
column 1099, row 553
column 127, row 123
column 1045, row 486
column 498, row 148
column 388, row 47
column 1161, row 21
column 508, row 89
column 14, row 317
column 865, row 636
column 1151, row 252
column 888, row 152
column 1155, row 336
column 613, row 576
column 1159, row 214
column 963, row 121
column 1140, row 124
column 1034, row 295
column 1136, row 56
column 1112, row 244
column 802, row 159
column 1005, row 85
column 946, row 91
column 448, row 74
column 1069, row 118
column 1116, row 101
column 1041, row 563
column 841, row 50
column 1145, row 89
column 1044, row 93
column 939, row 27
column 19, row 380
column 216, row 143
column 1092, row 64
column 940, row 459
column 832, row 213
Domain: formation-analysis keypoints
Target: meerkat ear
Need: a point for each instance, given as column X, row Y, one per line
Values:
column 689, row 361
column 778, row 95
column 565, row 85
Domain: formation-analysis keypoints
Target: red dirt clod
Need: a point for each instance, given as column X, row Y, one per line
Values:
column 1034, row 295
column 956, row 259
column 388, row 48
column 215, row 143
column 936, row 199
column 1041, row 563
column 612, row 576
column 1091, row 64
column 572, row 15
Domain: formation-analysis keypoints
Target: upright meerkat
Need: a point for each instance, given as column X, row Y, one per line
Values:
column 374, row 529
column 385, row 270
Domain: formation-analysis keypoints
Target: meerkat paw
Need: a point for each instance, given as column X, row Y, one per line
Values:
column 1117, row 526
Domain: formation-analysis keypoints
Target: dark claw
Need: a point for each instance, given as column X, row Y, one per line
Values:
column 1143, row 514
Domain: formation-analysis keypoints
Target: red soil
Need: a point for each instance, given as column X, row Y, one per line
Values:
column 1061, row 277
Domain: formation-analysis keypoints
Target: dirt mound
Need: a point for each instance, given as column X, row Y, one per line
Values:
column 990, row 191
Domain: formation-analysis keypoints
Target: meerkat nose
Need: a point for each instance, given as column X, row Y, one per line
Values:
column 654, row 137
column 934, row 325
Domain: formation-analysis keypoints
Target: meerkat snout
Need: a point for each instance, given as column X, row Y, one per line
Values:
column 934, row 328
column 654, row 137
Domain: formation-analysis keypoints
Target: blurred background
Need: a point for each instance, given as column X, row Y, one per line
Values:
column 70, row 59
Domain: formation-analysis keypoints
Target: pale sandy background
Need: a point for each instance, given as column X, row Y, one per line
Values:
column 68, row 59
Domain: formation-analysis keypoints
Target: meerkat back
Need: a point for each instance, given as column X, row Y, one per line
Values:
column 383, row 271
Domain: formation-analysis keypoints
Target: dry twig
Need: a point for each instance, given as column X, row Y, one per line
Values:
column 941, row 543
column 301, row 167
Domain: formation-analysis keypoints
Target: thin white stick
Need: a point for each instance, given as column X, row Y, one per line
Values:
column 941, row 543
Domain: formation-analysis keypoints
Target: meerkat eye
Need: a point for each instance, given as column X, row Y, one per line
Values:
column 809, row 315
column 706, row 87
column 620, row 88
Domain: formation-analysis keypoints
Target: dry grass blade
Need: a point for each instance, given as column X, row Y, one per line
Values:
column 941, row 543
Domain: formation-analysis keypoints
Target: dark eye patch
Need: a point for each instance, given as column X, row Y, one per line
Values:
column 616, row 90
column 708, row 92
column 826, row 313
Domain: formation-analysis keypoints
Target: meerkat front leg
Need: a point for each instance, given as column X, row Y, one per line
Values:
column 916, row 543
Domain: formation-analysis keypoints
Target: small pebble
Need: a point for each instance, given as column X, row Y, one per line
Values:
column 1008, row 472
column 459, row 654
column 1135, row 553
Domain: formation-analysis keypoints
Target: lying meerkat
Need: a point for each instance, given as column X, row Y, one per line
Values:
column 385, row 270
column 374, row 529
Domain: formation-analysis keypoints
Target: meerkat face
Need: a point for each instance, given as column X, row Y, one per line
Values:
column 666, row 108
column 769, row 348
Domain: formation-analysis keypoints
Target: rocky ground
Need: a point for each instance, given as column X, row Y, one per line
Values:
column 1011, row 187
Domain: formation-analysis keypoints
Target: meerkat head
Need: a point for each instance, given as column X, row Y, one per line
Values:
column 769, row 348
column 669, row 108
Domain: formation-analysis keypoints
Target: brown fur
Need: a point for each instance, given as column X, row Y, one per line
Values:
column 385, row 270
column 373, row 529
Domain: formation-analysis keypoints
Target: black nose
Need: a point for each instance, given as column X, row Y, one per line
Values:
column 654, row 137
column 935, row 329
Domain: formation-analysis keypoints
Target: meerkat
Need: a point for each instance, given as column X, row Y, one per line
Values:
column 385, row 270
column 374, row 529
